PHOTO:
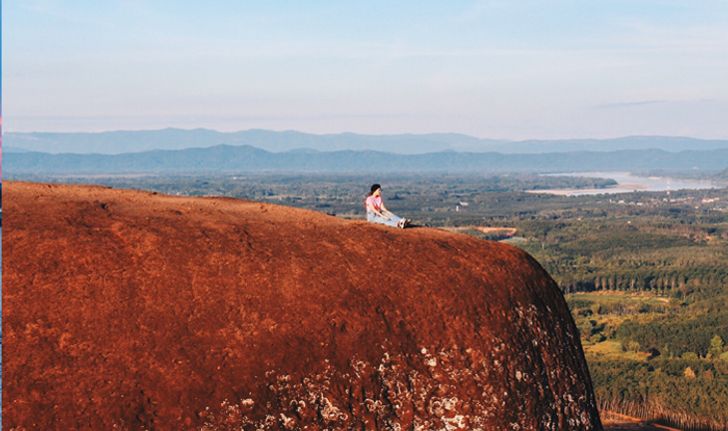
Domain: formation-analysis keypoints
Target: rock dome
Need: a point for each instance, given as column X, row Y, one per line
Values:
column 134, row 310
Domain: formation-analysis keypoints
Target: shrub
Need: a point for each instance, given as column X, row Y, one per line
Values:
column 631, row 346
column 597, row 338
column 689, row 373
column 716, row 347
column 690, row 356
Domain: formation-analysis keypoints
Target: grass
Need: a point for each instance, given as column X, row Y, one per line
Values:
column 611, row 350
column 608, row 310
column 611, row 308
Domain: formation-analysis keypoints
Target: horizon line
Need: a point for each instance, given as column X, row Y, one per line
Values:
column 192, row 129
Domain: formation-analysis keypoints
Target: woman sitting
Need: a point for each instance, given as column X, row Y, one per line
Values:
column 378, row 213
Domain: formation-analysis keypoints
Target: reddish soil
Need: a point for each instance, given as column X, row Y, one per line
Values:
column 619, row 422
column 132, row 310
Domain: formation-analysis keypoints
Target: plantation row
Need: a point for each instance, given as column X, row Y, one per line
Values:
column 690, row 394
column 666, row 283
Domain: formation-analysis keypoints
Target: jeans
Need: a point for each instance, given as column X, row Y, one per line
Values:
column 373, row 217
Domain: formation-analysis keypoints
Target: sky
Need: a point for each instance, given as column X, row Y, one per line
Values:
column 503, row 69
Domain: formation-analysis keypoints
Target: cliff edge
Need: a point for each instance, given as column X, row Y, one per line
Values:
column 133, row 310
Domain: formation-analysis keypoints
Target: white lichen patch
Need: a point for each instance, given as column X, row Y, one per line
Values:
column 448, row 389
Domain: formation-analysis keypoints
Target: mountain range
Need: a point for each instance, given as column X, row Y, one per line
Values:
column 119, row 142
column 244, row 158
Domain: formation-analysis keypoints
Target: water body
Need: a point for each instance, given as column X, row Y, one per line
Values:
column 628, row 183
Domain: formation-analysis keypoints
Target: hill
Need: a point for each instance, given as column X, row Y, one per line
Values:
column 237, row 159
column 123, row 141
column 126, row 141
column 136, row 310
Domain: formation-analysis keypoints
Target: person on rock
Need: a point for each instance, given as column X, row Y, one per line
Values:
column 378, row 213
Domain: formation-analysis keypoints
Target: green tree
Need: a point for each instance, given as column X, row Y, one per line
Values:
column 690, row 356
column 716, row 347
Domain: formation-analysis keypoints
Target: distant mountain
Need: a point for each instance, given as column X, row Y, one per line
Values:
column 7, row 149
column 119, row 142
column 666, row 143
column 227, row 158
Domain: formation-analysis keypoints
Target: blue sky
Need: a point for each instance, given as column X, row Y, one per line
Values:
column 492, row 68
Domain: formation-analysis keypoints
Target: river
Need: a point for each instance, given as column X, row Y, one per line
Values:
column 628, row 183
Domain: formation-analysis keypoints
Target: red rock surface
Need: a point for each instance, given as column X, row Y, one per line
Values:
column 131, row 310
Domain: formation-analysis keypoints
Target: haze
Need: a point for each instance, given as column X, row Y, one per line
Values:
column 492, row 69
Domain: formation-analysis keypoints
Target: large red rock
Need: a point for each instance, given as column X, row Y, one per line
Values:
column 132, row 310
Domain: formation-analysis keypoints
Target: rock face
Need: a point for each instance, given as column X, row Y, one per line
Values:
column 131, row 310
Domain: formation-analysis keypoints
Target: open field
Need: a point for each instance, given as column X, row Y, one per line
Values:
column 611, row 350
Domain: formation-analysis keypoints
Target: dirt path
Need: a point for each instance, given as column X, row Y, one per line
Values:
column 618, row 422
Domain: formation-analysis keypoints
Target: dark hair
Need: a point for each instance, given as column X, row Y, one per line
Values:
column 374, row 188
